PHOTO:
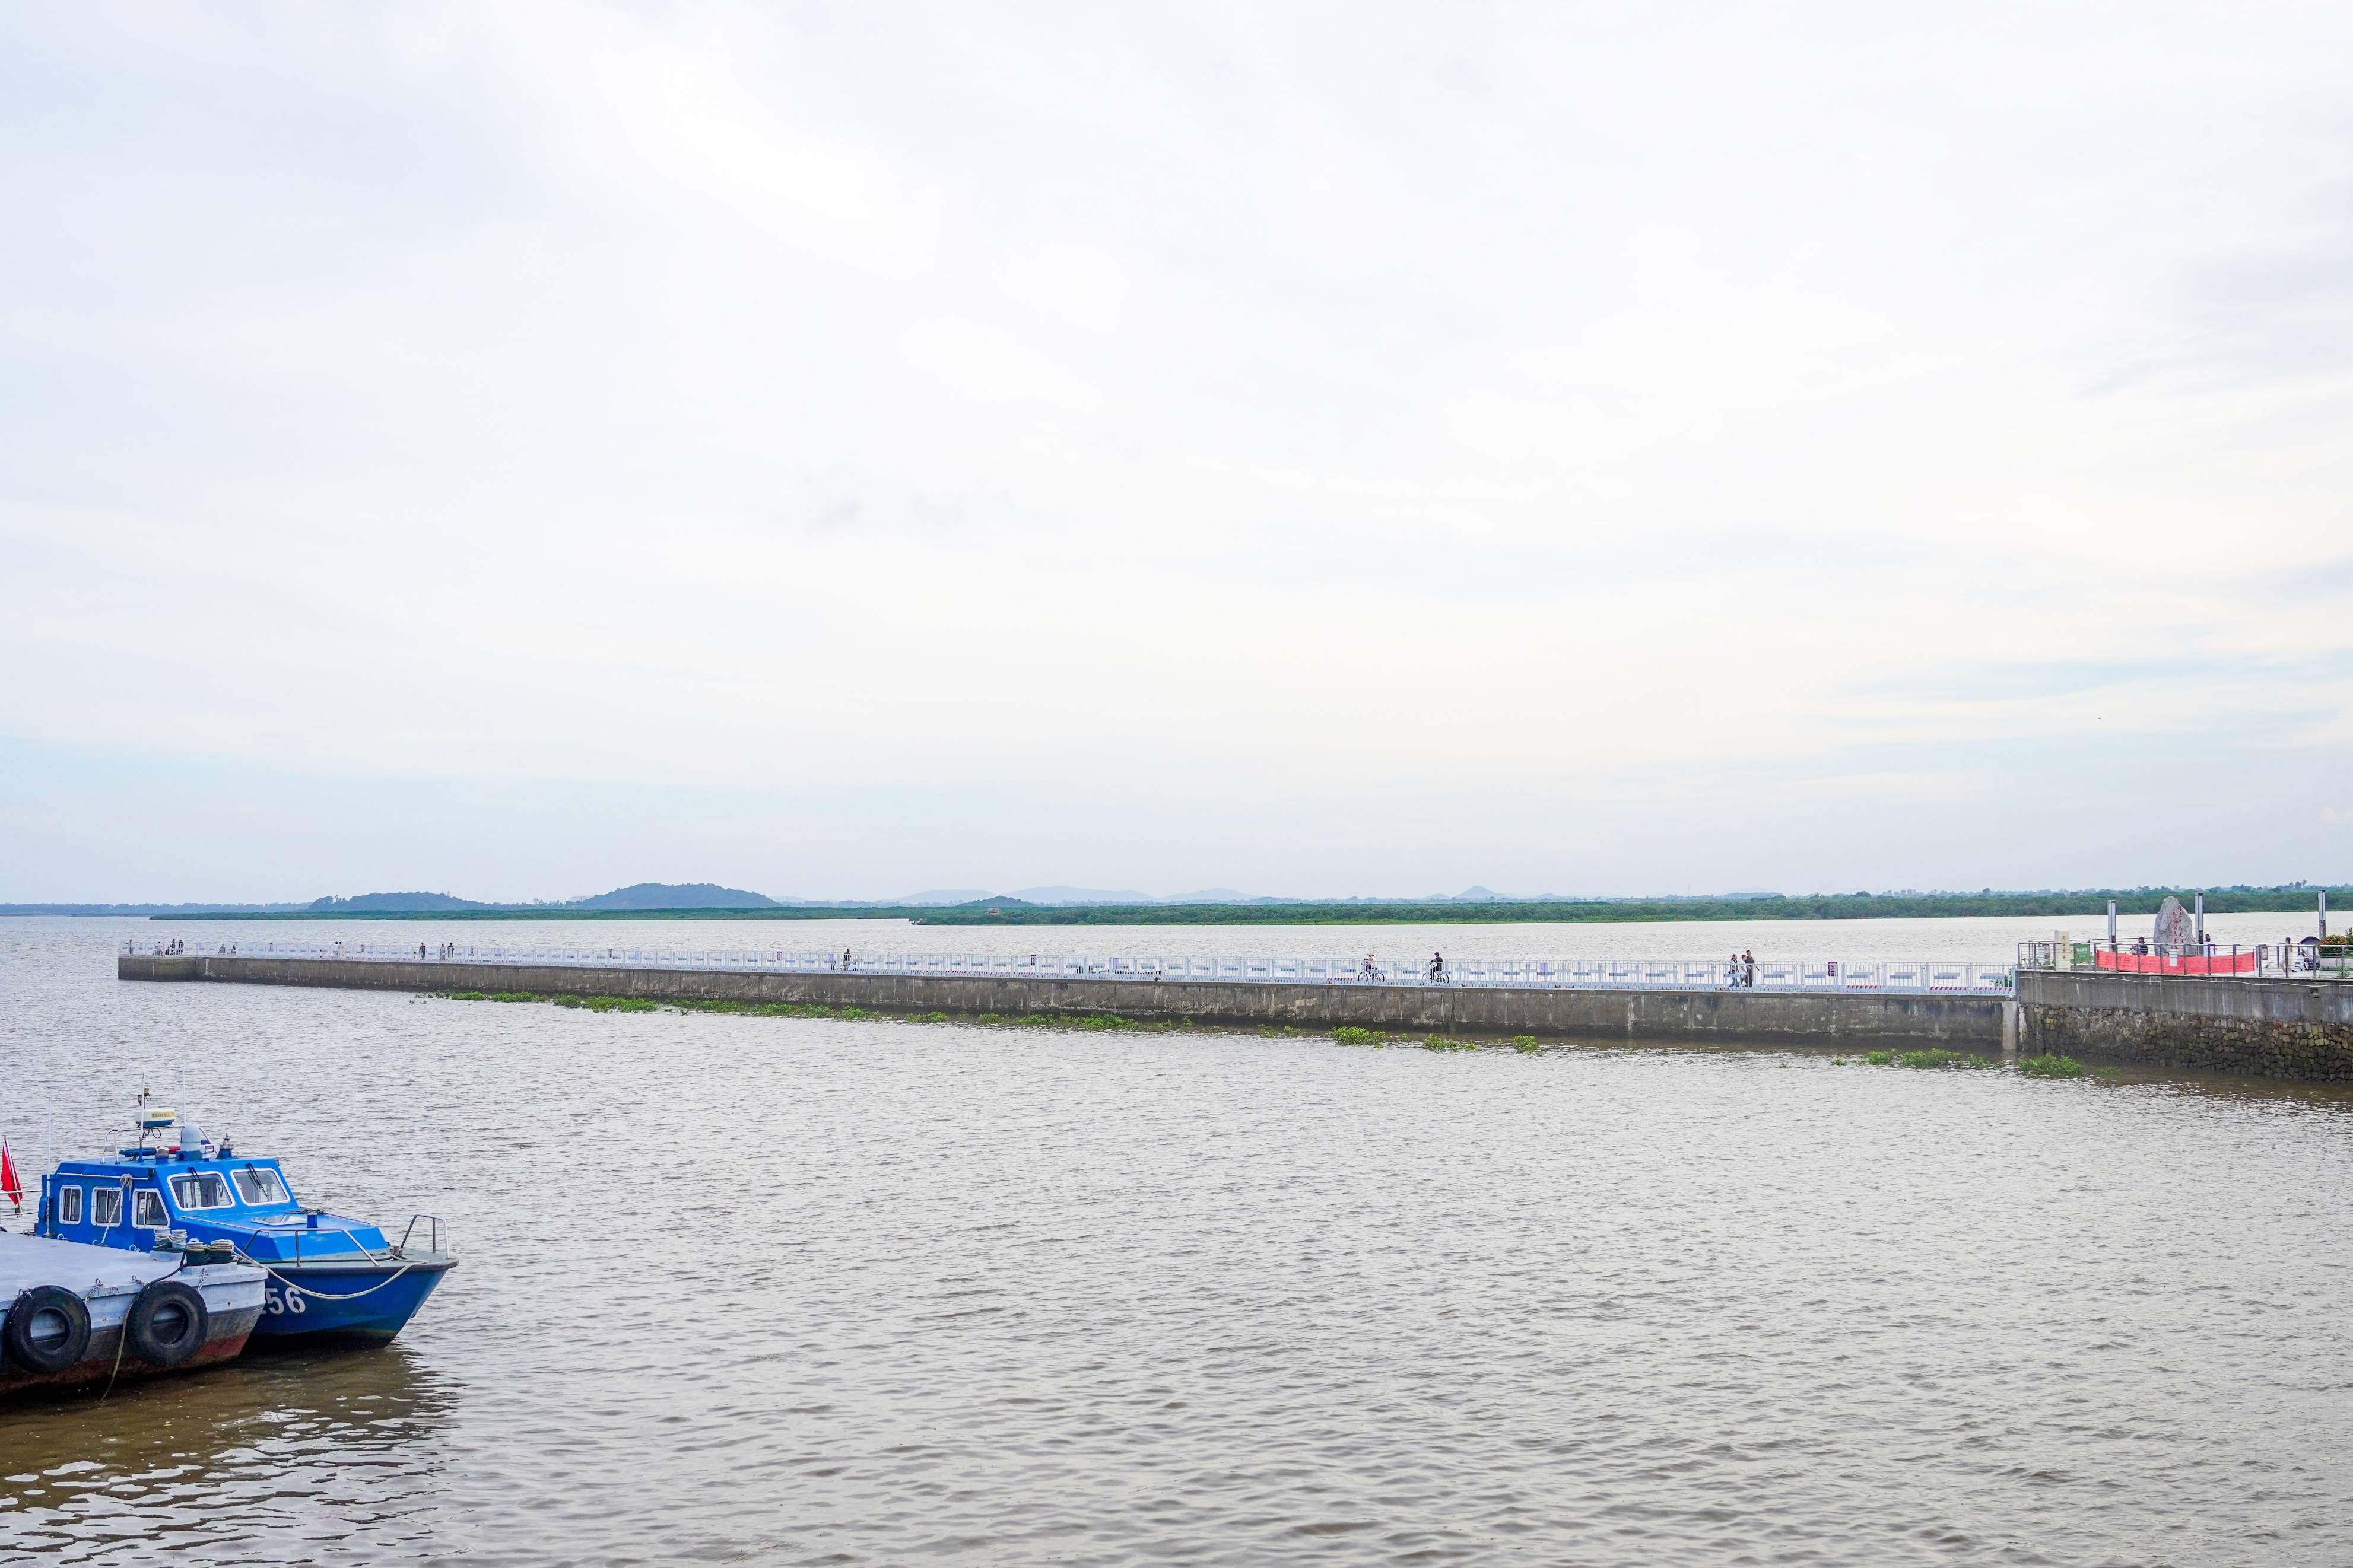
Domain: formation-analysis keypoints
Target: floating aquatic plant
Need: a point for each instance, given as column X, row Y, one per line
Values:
column 2051, row 1066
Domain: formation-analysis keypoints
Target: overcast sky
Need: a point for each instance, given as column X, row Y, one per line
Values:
column 844, row 451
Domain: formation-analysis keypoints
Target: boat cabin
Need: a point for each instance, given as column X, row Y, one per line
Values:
column 170, row 1191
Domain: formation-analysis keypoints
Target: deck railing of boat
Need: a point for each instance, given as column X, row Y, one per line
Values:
column 432, row 1222
column 300, row 1226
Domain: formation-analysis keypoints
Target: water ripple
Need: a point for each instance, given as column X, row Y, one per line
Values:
column 803, row 1292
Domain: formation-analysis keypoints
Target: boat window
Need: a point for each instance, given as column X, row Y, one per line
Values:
column 204, row 1190
column 106, row 1207
column 69, row 1206
column 257, row 1186
column 147, row 1210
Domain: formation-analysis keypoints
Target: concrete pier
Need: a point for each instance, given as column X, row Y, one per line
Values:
column 1845, row 1019
column 2228, row 1024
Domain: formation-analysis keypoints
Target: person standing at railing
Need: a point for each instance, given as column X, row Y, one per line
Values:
column 1748, row 969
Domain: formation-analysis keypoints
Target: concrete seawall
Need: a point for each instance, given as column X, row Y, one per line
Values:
column 2265, row 1028
column 1854, row 1020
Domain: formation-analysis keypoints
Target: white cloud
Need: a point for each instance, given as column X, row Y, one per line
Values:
column 1178, row 407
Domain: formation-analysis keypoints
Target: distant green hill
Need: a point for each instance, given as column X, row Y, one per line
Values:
column 635, row 899
column 391, row 903
column 675, row 896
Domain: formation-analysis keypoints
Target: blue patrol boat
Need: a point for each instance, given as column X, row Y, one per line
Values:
column 330, row 1277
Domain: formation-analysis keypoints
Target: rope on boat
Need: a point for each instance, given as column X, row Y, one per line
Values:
column 406, row 1264
column 120, row 1334
column 322, row 1295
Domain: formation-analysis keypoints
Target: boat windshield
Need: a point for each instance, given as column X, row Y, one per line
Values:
column 204, row 1190
column 257, row 1186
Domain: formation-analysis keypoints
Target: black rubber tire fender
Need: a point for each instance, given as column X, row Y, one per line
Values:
column 47, row 1354
column 168, row 1322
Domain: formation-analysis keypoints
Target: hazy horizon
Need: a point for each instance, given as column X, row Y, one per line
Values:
column 1068, row 896
column 509, row 448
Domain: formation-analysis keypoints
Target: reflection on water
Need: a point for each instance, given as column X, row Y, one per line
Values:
column 319, row 1454
column 815, row 1291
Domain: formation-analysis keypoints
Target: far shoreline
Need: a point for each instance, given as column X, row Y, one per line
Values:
column 2075, row 905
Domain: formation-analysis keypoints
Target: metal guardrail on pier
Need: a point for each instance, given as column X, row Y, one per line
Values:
column 1888, row 975
column 2260, row 961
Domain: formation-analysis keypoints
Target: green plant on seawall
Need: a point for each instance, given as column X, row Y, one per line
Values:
column 1435, row 1044
column 928, row 1018
column 1526, row 1045
column 465, row 996
column 1879, row 1059
column 989, row 1018
column 513, row 996
column 1106, row 1021
column 1350, row 1035
column 2051, row 1066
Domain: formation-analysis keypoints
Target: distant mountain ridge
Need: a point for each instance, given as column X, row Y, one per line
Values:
column 675, row 896
column 404, row 903
column 636, row 895
column 1059, row 905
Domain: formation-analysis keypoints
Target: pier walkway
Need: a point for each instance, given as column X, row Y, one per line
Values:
column 1812, row 975
column 1532, row 1000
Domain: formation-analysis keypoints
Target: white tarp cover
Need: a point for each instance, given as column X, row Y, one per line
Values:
column 30, row 1260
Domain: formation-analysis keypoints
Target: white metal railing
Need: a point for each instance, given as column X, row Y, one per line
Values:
column 1908, row 976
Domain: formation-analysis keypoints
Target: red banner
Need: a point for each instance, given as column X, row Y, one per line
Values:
column 2179, row 963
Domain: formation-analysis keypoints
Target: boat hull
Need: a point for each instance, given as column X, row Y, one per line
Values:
column 233, row 1304
column 351, row 1302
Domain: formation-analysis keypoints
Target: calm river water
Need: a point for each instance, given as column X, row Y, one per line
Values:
column 797, row 1291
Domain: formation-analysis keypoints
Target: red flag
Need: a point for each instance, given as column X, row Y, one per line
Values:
column 9, row 1185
